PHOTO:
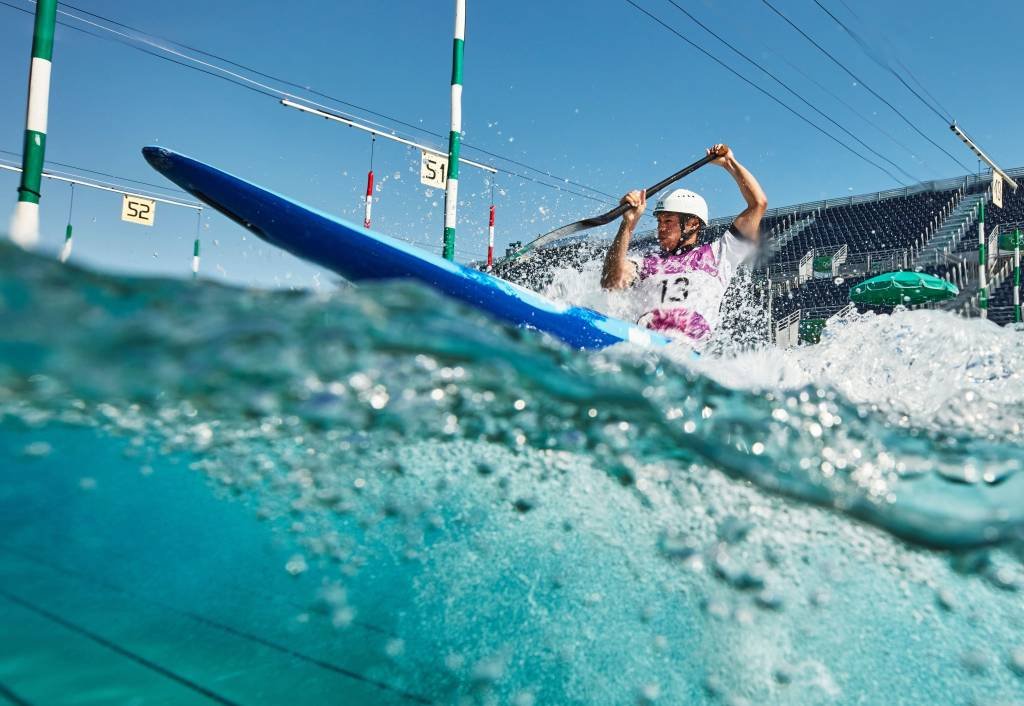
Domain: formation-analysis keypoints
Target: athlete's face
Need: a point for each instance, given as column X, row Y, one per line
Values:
column 672, row 233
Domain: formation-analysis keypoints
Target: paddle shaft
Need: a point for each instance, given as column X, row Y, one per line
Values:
column 651, row 190
column 608, row 217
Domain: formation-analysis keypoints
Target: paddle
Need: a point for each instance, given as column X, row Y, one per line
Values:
column 604, row 218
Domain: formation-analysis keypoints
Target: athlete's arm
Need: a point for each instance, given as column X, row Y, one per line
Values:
column 748, row 223
column 619, row 272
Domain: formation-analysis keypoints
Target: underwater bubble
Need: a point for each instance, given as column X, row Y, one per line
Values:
column 976, row 662
column 716, row 608
column 677, row 546
column 37, row 449
column 971, row 562
column 783, row 674
column 1017, row 661
column 945, row 599
column 649, row 693
column 740, row 577
column 714, row 686
column 489, row 669
column 820, row 597
column 524, row 698
column 343, row 617
column 744, row 616
column 1005, row 577
column 525, row 504
column 734, row 530
column 296, row 565
column 770, row 599
column 394, row 647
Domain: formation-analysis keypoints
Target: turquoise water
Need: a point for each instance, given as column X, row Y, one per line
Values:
column 374, row 496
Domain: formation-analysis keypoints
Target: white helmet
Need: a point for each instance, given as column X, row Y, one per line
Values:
column 684, row 201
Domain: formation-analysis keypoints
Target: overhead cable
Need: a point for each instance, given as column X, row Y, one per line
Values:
column 144, row 37
column 863, row 43
column 787, row 87
column 769, row 95
column 866, row 86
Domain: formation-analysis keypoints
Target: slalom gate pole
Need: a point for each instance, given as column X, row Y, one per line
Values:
column 490, row 233
column 451, row 191
column 1016, row 275
column 65, row 252
column 982, row 263
column 24, row 228
column 195, row 246
column 369, row 187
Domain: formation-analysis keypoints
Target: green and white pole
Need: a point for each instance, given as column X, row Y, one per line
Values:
column 1016, row 275
column 24, row 227
column 982, row 264
column 195, row 247
column 451, row 190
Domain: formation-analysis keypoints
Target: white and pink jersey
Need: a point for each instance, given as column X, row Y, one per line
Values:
column 682, row 293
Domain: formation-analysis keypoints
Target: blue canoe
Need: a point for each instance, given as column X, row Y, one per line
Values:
column 359, row 254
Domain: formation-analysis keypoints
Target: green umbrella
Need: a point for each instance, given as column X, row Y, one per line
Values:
column 906, row 288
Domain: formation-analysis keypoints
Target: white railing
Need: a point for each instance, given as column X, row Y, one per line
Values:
column 805, row 270
column 787, row 330
column 839, row 259
column 848, row 309
column 862, row 263
column 821, row 312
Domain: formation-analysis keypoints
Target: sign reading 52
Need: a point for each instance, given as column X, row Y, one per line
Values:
column 433, row 170
column 136, row 209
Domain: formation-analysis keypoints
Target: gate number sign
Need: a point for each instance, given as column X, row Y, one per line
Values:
column 433, row 170
column 136, row 209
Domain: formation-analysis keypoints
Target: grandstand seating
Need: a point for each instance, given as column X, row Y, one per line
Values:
column 1011, row 212
column 955, row 272
column 896, row 222
column 1000, row 303
column 823, row 294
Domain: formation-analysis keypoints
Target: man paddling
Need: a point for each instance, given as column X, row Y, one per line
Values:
column 682, row 285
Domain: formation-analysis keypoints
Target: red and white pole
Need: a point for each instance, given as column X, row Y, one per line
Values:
column 490, row 240
column 369, row 199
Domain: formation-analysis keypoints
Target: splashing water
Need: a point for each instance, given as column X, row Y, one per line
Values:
column 514, row 522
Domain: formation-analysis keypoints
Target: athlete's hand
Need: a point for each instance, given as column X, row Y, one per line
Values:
column 637, row 201
column 724, row 154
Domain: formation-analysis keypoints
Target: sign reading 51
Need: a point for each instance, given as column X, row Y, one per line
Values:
column 433, row 170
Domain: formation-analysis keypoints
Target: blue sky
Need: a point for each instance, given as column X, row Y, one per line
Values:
column 594, row 91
